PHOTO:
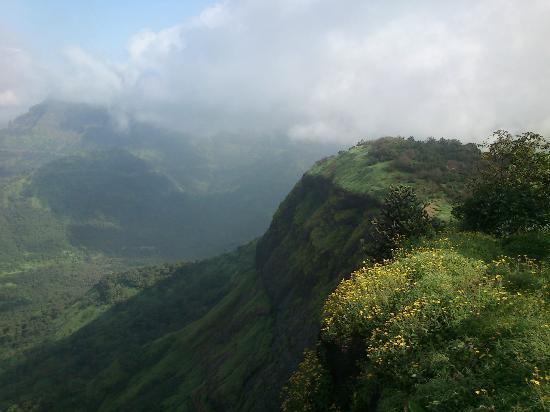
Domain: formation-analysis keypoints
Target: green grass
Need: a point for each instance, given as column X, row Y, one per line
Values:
column 230, row 356
column 360, row 171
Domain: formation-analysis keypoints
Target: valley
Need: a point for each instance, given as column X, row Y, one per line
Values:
column 82, row 198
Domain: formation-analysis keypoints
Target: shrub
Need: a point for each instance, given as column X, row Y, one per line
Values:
column 402, row 216
column 535, row 245
column 441, row 331
column 309, row 387
column 511, row 193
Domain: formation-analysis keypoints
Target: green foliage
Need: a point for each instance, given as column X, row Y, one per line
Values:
column 512, row 191
column 402, row 216
column 222, row 334
column 29, row 235
column 440, row 329
column 535, row 245
column 31, row 315
column 152, row 339
column 308, row 387
column 415, row 407
column 443, row 161
column 432, row 166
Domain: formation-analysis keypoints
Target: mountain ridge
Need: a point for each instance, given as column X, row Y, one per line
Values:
column 314, row 240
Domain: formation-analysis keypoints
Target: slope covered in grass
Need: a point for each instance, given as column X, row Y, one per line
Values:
column 109, row 336
column 435, row 169
column 438, row 327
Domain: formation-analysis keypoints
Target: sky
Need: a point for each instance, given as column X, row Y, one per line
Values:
column 309, row 69
column 102, row 27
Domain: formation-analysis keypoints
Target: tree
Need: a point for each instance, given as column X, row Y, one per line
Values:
column 402, row 216
column 511, row 192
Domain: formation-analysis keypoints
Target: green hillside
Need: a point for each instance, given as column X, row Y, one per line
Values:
column 150, row 348
column 119, row 205
column 453, row 321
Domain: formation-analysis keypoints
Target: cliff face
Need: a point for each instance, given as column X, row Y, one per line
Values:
column 313, row 241
column 316, row 230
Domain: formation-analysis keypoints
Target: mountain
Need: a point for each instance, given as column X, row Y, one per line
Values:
column 226, row 333
column 128, row 189
column 85, row 192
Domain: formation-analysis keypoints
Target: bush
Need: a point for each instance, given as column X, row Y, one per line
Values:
column 309, row 387
column 402, row 217
column 535, row 245
column 442, row 331
column 511, row 193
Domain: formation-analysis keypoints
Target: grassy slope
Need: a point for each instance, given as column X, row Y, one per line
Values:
column 435, row 169
column 31, row 299
column 318, row 233
column 451, row 325
column 238, row 355
column 109, row 336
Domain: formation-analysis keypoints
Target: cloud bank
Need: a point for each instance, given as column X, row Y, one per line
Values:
column 21, row 78
column 319, row 69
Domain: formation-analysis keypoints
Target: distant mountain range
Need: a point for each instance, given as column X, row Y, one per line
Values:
column 139, row 191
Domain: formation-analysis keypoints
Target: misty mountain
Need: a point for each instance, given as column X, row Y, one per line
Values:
column 83, row 194
column 295, row 205
column 225, row 333
column 135, row 189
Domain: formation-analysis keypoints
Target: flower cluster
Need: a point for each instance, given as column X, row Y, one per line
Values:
column 442, row 329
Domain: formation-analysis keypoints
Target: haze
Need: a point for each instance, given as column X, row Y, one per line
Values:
column 308, row 69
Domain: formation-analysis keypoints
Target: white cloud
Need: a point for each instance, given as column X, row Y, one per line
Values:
column 8, row 98
column 213, row 16
column 89, row 79
column 21, row 82
column 148, row 44
column 333, row 70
